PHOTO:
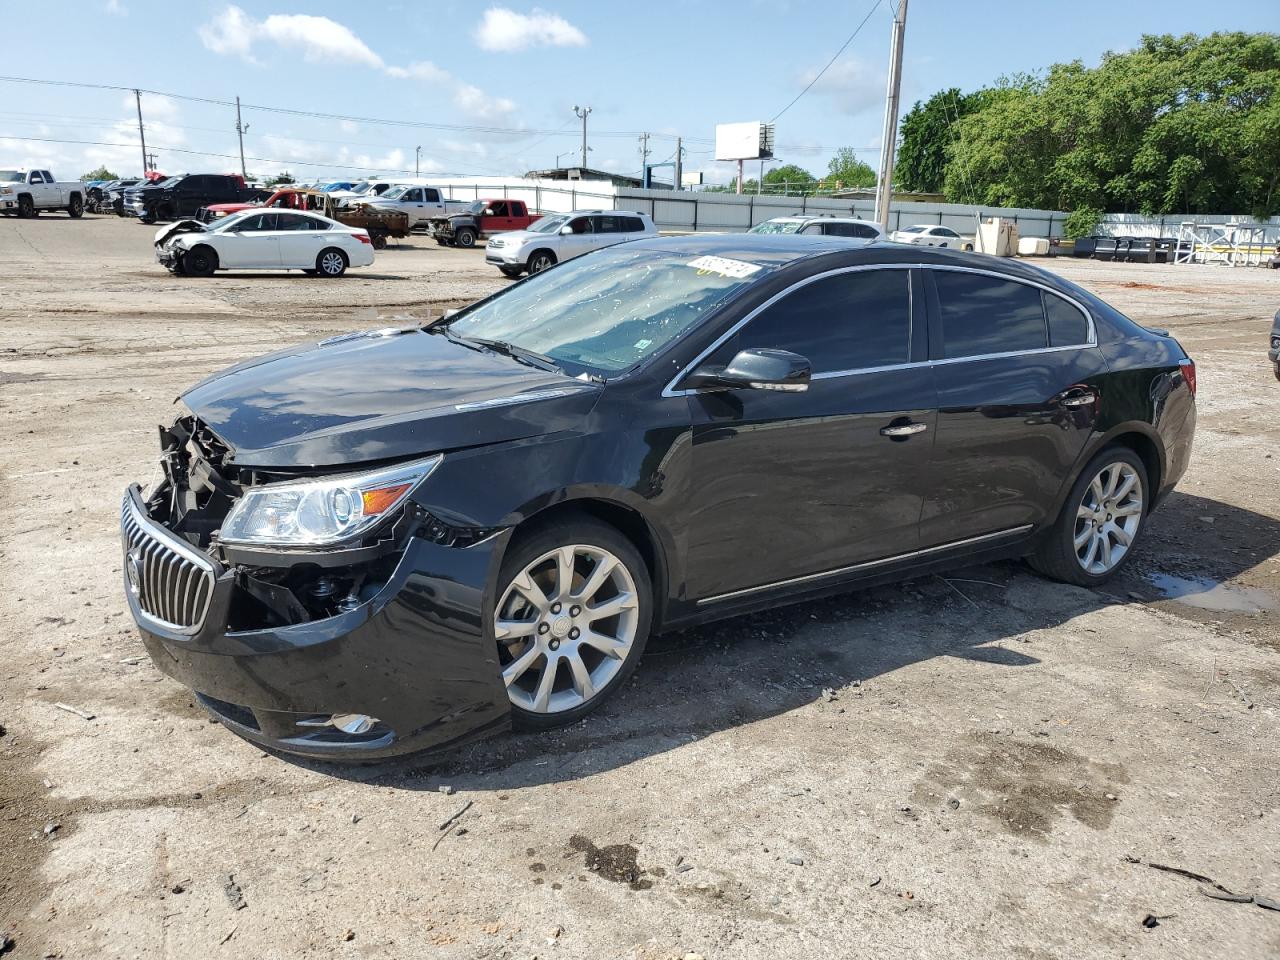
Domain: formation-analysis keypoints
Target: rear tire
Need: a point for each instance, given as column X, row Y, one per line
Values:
column 1102, row 521
column 379, row 239
column 331, row 263
column 199, row 261
column 75, row 209
column 554, row 642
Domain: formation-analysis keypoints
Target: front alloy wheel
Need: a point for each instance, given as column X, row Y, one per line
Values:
column 570, row 625
column 1108, row 517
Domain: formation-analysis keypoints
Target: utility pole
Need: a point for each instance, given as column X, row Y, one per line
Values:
column 151, row 158
column 417, row 152
column 582, row 112
column 679, row 166
column 137, row 94
column 884, row 190
column 644, row 159
column 241, row 129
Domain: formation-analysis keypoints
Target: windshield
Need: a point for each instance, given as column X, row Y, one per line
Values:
column 605, row 312
column 12, row 176
column 477, row 208
column 549, row 224
column 229, row 222
column 395, row 193
column 172, row 181
column 913, row 229
column 362, row 187
column 777, row 226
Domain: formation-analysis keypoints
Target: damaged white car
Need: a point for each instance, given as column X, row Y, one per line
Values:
column 264, row 240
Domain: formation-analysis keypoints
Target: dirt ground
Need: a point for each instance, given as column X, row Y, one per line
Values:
column 996, row 764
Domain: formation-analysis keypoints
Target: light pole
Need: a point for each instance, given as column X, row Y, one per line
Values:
column 760, row 182
column 884, row 189
column 582, row 113
column 417, row 152
column 559, row 155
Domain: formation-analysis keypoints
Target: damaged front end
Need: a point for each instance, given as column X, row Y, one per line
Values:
column 370, row 644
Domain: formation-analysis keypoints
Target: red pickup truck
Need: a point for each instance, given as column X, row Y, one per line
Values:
column 287, row 198
column 480, row 221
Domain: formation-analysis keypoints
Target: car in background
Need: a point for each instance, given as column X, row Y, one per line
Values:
column 113, row 196
column 931, row 235
column 562, row 236
column 421, row 203
column 408, row 538
column 285, row 198
column 364, row 190
column 1274, row 353
column 264, row 240
column 850, row 227
column 481, row 220
column 334, row 185
column 183, row 195
column 28, row 192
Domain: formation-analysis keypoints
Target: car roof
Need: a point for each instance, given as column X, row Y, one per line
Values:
column 765, row 249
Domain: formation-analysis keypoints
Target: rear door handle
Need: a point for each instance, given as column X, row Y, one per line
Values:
column 904, row 430
column 1079, row 399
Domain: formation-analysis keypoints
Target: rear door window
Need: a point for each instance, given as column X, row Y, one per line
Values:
column 982, row 314
column 433, row 196
column 1068, row 327
column 607, row 224
column 849, row 321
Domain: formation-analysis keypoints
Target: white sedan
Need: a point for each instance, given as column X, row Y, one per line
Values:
column 264, row 240
column 925, row 235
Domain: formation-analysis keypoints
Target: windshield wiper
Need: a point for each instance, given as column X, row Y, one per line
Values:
column 520, row 354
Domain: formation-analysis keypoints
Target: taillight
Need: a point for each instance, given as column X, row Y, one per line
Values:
column 1189, row 373
column 364, row 238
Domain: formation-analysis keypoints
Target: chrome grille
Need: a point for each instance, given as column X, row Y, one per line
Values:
column 171, row 582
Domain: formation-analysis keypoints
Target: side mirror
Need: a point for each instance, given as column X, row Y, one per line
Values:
column 758, row 368
column 566, row 231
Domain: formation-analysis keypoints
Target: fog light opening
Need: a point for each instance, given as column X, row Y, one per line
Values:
column 354, row 723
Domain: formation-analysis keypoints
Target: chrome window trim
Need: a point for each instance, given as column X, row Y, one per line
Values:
column 670, row 389
column 866, row 565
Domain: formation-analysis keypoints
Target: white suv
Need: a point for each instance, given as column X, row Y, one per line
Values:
column 562, row 236
column 823, row 226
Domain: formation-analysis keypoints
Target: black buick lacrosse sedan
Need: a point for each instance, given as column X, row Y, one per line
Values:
column 402, row 539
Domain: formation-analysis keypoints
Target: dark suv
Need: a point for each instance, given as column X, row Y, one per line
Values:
column 183, row 195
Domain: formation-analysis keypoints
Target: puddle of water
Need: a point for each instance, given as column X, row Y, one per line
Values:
column 1209, row 594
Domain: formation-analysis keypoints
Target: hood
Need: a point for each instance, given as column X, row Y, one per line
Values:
column 145, row 188
column 515, row 238
column 381, row 395
column 181, row 226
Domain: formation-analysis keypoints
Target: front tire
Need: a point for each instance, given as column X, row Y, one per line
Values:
column 574, row 608
column 26, row 208
column 331, row 263
column 466, row 238
column 512, row 272
column 199, row 261
column 75, row 209
column 1101, row 521
column 542, row 260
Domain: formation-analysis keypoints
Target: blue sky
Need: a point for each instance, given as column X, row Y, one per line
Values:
column 516, row 71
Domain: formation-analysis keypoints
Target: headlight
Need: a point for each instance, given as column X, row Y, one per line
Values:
column 315, row 513
column 6, row 189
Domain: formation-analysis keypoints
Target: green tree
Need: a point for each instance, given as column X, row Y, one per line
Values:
column 845, row 171
column 283, row 178
column 925, row 133
column 102, row 173
column 1178, row 125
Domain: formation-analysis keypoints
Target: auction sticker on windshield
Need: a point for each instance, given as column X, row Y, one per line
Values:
column 724, row 266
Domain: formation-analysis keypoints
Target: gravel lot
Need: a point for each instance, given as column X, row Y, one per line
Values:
column 995, row 764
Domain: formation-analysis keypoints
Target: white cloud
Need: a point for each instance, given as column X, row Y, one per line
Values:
column 320, row 39
column 229, row 33
column 504, row 30
column 851, row 85
column 116, row 8
column 477, row 103
column 421, row 70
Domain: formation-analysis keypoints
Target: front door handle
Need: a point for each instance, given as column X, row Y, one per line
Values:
column 904, row 430
column 1079, row 399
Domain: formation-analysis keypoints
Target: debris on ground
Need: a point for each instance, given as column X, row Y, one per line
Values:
column 1151, row 920
column 349, row 935
column 796, row 861
column 446, row 790
column 70, row 709
column 465, row 807
column 235, row 896
column 1214, row 890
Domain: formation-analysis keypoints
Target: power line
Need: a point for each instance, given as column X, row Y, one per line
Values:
column 842, row 49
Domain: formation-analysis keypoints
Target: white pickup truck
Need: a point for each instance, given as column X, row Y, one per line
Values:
column 27, row 192
column 421, row 203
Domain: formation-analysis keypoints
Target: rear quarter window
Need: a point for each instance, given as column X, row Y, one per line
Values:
column 1067, row 325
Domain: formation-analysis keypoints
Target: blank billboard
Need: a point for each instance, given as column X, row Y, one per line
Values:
column 744, row 141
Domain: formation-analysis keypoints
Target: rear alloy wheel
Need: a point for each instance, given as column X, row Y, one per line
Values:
column 542, row 260
column 466, row 238
column 76, row 207
column 571, row 621
column 1100, row 522
column 331, row 263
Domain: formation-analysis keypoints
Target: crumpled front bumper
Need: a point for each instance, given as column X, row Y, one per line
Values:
column 414, row 657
